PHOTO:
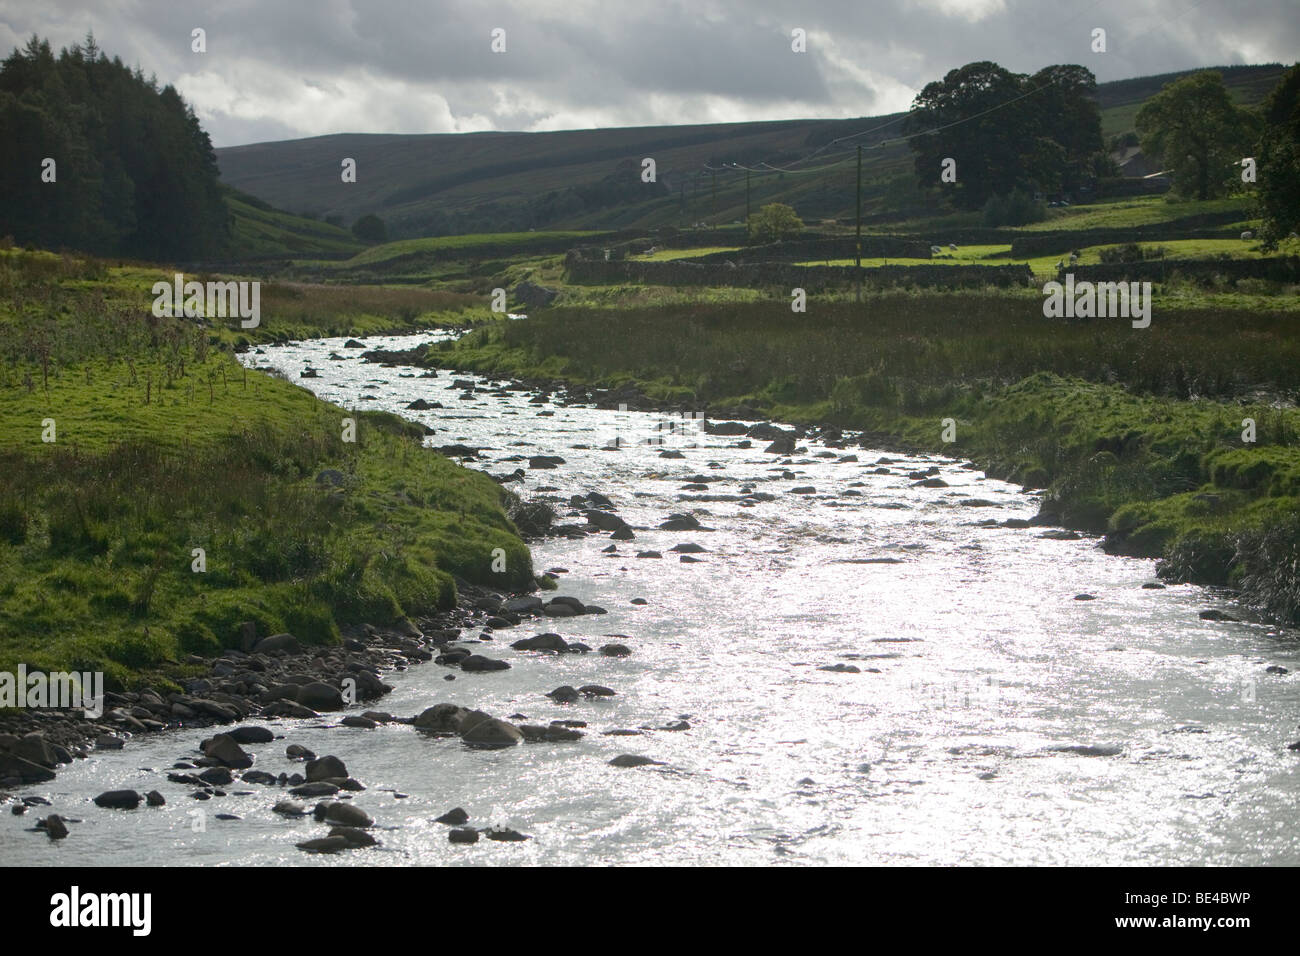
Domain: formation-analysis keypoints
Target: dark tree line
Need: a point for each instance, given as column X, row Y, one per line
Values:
column 1278, row 153
column 135, row 174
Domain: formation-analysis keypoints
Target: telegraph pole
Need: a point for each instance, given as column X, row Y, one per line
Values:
column 857, row 234
column 747, row 197
column 714, row 175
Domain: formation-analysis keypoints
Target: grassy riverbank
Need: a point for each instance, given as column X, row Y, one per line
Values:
column 1134, row 432
column 162, row 443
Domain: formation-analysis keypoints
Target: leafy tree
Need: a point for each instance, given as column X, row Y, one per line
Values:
column 1195, row 130
column 370, row 228
column 1007, row 130
column 1277, row 158
column 1017, row 208
column 774, row 221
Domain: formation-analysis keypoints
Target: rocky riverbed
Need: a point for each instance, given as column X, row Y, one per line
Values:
column 811, row 650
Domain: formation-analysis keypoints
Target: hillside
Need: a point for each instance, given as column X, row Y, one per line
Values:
column 439, row 184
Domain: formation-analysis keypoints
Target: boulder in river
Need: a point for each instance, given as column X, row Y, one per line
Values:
column 542, row 642
column 346, row 814
column 325, row 768
column 118, row 800
column 223, row 749
column 477, row 663
column 320, row 696
column 478, row 729
column 634, row 760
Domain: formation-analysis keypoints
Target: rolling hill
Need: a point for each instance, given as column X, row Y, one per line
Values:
column 444, row 184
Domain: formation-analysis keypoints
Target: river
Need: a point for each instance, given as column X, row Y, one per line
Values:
column 994, row 717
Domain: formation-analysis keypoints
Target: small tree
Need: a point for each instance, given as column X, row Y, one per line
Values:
column 370, row 228
column 774, row 221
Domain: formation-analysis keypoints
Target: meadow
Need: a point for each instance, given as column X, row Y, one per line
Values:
column 128, row 441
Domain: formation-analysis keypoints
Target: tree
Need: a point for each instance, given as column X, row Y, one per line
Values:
column 1006, row 130
column 370, row 228
column 1277, row 159
column 774, row 221
column 1196, row 132
column 135, row 173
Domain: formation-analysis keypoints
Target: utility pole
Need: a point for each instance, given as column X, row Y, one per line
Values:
column 857, row 235
column 747, row 197
column 714, row 175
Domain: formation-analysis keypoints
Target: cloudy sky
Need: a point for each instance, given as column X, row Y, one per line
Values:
column 278, row 69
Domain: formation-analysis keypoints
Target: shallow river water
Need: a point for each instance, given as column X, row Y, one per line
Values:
column 977, row 666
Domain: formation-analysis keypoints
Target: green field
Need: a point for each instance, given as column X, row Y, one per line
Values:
column 129, row 441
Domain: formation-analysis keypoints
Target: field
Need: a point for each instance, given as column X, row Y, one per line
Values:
column 126, row 442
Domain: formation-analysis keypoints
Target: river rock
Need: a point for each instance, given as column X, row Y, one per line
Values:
column 1089, row 750
column 346, row 814
column 477, row 663
column 354, row 835
column 1213, row 614
column 503, row 835
column 217, row 776
column 633, row 760
column 283, row 643
column 440, row 718
column 356, row 720
column 616, row 650
column 319, row 696
column 542, row 642
column 289, row 808
column 118, row 800
column 323, row 768
column 33, row 747
column 298, row 752
column 223, row 749
column 318, row 788
column 478, row 729
column 250, row 735
column 564, row 694
column 54, row 827
column 463, row 835
column 329, row 844
column 523, row 605
column 454, row 817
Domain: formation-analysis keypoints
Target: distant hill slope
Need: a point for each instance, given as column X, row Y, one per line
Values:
column 440, row 184
column 257, row 230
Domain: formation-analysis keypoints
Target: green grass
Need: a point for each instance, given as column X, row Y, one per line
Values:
column 449, row 247
column 164, row 443
column 257, row 230
column 1141, row 211
column 667, row 255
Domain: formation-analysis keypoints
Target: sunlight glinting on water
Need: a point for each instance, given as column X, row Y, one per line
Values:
column 977, row 669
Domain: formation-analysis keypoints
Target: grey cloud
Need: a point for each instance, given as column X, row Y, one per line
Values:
column 575, row 61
